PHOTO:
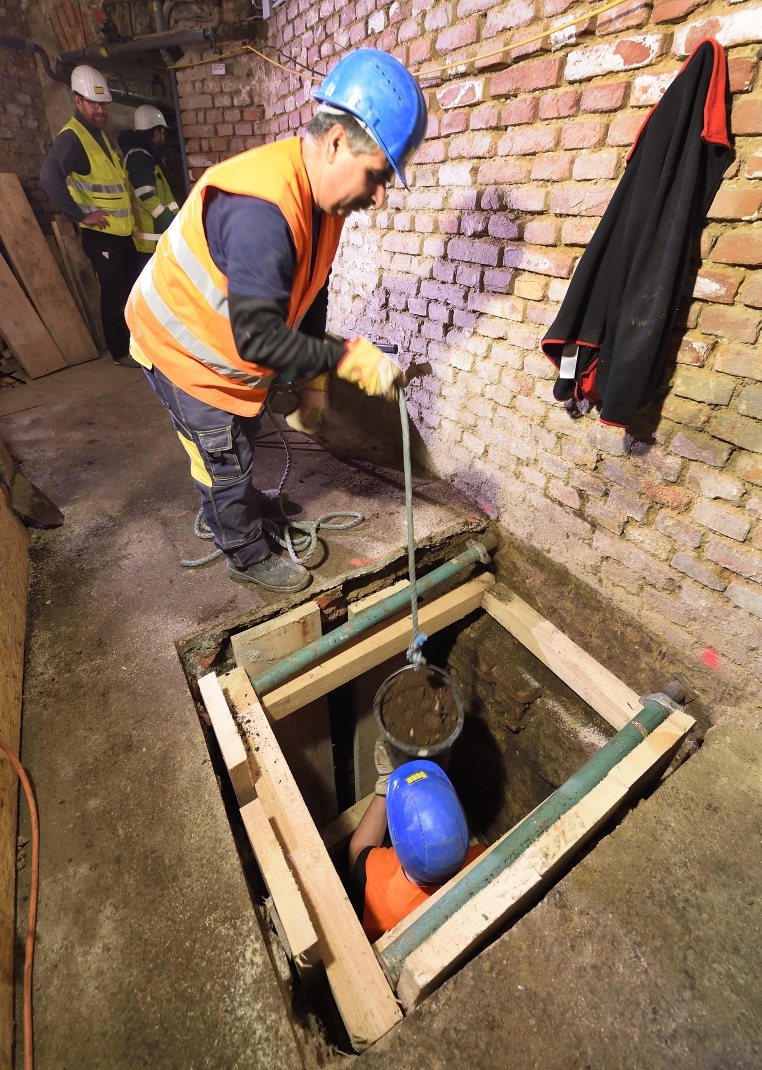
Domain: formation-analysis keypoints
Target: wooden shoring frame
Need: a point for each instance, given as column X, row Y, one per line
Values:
column 258, row 769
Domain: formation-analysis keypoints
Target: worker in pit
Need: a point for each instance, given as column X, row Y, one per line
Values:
column 153, row 201
column 429, row 836
column 86, row 180
column 236, row 294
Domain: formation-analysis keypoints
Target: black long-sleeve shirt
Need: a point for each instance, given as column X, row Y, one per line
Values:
column 67, row 155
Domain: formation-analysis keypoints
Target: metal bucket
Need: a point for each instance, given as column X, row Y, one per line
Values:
column 401, row 752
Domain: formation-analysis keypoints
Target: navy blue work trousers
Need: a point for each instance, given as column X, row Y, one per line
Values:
column 221, row 451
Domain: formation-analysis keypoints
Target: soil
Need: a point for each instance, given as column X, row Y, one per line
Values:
column 419, row 709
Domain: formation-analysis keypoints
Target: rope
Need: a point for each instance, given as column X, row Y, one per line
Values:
column 302, row 544
column 414, row 654
column 520, row 44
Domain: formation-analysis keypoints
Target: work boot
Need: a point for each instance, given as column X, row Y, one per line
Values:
column 273, row 572
column 126, row 362
column 274, row 506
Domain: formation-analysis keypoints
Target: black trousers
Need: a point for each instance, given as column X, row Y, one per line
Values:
column 117, row 264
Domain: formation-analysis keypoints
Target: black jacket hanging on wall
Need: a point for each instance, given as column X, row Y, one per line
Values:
column 610, row 336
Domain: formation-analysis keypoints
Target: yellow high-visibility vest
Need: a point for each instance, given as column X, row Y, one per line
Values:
column 146, row 211
column 106, row 188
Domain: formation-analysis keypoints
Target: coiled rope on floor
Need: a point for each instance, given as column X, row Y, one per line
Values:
column 298, row 537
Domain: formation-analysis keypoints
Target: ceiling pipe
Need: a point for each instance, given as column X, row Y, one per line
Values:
column 150, row 42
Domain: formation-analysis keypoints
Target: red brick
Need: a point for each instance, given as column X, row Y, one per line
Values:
column 739, row 247
column 559, row 105
column 541, row 232
column 677, row 498
column 693, row 351
column 472, row 146
column 716, row 285
column 540, row 261
column 458, row 36
column 578, row 231
column 740, row 324
column 735, row 204
column 596, row 165
column 503, row 172
column 582, row 135
column 527, row 142
column 741, row 71
column 740, row 27
column 487, row 59
column 525, row 77
column 736, row 360
column 485, row 117
column 454, row 122
column 624, row 129
column 517, row 13
column 522, row 110
column 674, row 10
column 624, row 55
column 609, row 96
column 502, row 226
column 580, row 201
column 754, row 165
column 461, row 94
column 628, row 16
column 746, row 117
column 751, row 294
column 529, row 199
column 420, row 50
column 473, row 252
column 433, row 152
column 552, row 168
column 742, row 562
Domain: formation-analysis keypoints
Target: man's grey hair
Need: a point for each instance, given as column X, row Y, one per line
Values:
column 358, row 138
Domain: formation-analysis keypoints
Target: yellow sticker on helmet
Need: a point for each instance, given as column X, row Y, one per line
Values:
column 420, row 775
column 98, row 89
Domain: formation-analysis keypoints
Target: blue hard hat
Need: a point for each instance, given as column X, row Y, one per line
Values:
column 379, row 91
column 426, row 822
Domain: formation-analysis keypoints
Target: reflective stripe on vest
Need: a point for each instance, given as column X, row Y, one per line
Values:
column 178, row 312
column 106, row 188
column 145, row 238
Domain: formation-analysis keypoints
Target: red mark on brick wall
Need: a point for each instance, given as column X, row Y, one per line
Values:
column 711, row 657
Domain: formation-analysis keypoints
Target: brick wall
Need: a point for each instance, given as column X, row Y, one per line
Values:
column 24, row 136
column 469, row 268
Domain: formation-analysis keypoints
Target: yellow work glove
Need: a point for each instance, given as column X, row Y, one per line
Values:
column 313, row 404
column 384, row 765
column 371, row 370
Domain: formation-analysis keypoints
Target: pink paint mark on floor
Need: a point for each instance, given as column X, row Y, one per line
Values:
column 357, row 562
column 711, row 657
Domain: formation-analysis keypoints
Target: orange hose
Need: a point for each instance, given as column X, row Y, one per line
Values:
column 32, row 926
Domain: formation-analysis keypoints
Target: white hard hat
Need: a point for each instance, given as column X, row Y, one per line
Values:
column 147, row 117
column 90, row 84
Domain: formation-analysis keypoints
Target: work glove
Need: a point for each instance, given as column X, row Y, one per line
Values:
column 313, row 404
column 370, row 369
column 384, row 765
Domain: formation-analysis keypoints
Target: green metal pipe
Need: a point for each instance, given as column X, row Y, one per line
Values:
column 491, row 865
column 300, row 659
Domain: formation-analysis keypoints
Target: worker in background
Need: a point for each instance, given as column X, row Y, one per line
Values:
column 153, row 200
column 86, row 180
column 429, row 836
column 236, row 294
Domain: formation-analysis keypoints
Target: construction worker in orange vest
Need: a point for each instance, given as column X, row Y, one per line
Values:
column 237, row 291
column 417, row 804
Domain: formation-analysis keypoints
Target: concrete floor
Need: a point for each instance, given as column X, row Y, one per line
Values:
column 149, row 952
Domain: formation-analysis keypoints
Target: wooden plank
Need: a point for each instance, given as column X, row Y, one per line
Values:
column 431, row 963
column 339, row 832
column 368, row 651
column 298, row 929
column 38, row 271
column 304, row 738
column 231, row 745
column 23, row 329
column 607, row 695
column 260, row 647
column 364, row 690
column 363, row 997
column 14, row 542
column 80, row 270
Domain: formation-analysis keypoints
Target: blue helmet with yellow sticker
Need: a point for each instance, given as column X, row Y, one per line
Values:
column 427, row 825
column 379, row 91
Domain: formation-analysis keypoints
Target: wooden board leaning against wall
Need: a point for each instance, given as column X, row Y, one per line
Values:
column 14, row 543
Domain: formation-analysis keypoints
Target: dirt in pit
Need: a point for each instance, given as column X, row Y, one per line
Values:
column 420, row 709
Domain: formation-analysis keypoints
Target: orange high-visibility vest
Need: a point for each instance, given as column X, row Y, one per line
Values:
column 389, row 895
column 178, row 311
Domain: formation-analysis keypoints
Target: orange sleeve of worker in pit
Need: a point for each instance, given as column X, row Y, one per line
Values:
column 389, row 895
